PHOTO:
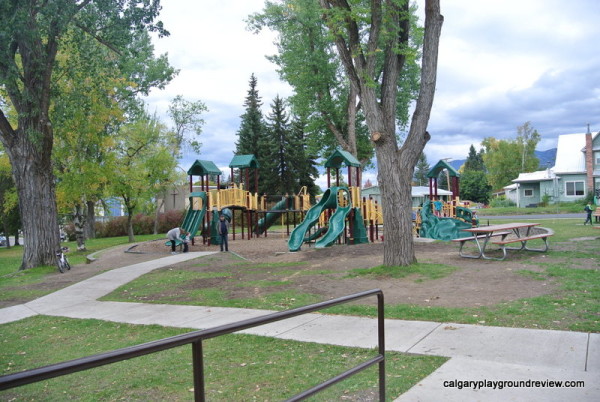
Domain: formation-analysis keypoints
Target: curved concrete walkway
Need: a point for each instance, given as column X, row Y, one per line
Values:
column 486, row 362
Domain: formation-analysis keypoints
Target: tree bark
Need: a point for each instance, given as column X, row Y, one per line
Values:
column 130, row 210
column 157, row 214
column 29, row 154
column 90, row 220
column 79, row 223
column 395, row 165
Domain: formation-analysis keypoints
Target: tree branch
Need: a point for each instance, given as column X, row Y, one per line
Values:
column 376, row 19
column 417, row 135
column 99, row 39
column 336, row 132
column 394, row 59
column 7, row 133
column 343, row 49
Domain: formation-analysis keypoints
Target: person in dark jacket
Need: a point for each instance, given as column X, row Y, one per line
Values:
column 223, row 230
column 588, row 210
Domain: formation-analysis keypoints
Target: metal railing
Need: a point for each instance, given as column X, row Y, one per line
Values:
column 195, row 338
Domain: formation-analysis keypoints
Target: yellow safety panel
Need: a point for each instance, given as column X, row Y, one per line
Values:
column 196, row 203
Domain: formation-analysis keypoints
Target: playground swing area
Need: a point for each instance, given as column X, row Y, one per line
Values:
column 340, row 216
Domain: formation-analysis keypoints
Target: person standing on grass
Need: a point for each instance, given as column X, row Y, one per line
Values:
column 588, row 210
column 177, row 234
column 223, row 230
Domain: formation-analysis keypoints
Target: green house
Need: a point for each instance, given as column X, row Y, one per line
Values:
column 575, row 174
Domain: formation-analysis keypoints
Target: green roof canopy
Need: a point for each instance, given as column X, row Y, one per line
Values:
column 441, row 165
column 202, row 168
column 244, row 161
column 340, row 157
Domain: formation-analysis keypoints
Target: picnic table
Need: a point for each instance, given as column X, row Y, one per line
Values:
column 485, row 234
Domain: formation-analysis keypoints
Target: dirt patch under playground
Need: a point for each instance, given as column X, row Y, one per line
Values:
column 323, row 272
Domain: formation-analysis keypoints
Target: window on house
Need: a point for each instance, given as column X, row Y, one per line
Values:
column 575, row 188
column 597, row 159
column 528, row 192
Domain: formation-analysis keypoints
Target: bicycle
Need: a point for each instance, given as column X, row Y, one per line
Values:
column 62, row 261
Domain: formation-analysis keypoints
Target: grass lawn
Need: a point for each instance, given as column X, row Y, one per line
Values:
column 14, row 282
column 263, row 368
column 563, row 208
column 574, row 306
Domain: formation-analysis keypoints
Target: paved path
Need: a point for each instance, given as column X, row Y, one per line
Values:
column 479, row 354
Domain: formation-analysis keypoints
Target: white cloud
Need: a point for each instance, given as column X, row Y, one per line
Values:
column 501, row 63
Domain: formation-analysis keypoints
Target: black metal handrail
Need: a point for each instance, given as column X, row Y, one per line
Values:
column 195, row 338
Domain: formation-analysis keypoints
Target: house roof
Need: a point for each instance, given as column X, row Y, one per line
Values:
column 421, row 191
column 416, row 191
column 538, row 176
column 244, row 161
column 202, row 168
column 569, row 158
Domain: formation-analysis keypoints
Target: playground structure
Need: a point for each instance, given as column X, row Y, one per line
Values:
column 206, row 205
column 453, row 217
column 341, row 215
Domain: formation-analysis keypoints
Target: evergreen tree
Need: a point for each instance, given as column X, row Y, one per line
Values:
column 474, row 161
column 303, row 161
column 252, row 129
column 474, row 185
column 277, row 147
column 421, row 170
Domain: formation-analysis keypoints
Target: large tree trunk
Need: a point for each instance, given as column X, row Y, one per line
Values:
column 396, row 203
column 29, row 147
column 29, row 155
column 395, row 165
column 90, row 220
column 129, row 221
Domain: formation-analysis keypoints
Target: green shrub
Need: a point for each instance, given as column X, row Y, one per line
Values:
column 169, row 220
column 501, row 202
column 116, row 226
column 545, row 200
column 142, row 224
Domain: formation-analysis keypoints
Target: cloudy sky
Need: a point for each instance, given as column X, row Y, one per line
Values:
column 501, row 63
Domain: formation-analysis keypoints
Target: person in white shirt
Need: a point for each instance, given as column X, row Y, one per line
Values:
column 178, row 234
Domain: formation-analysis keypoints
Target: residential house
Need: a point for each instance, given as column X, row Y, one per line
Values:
column 419, row 194
column 576, row 174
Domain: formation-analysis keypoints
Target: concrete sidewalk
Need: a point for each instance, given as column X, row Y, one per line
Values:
column 480, row 356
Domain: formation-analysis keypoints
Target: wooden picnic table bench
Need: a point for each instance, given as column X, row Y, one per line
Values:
column 486, row 233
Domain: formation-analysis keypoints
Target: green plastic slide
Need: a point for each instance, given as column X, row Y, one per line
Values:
column 337, row 224
column 193, row 218
column 446, row 229
column 266, row 222
column 359, row 232
column 329, row 200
